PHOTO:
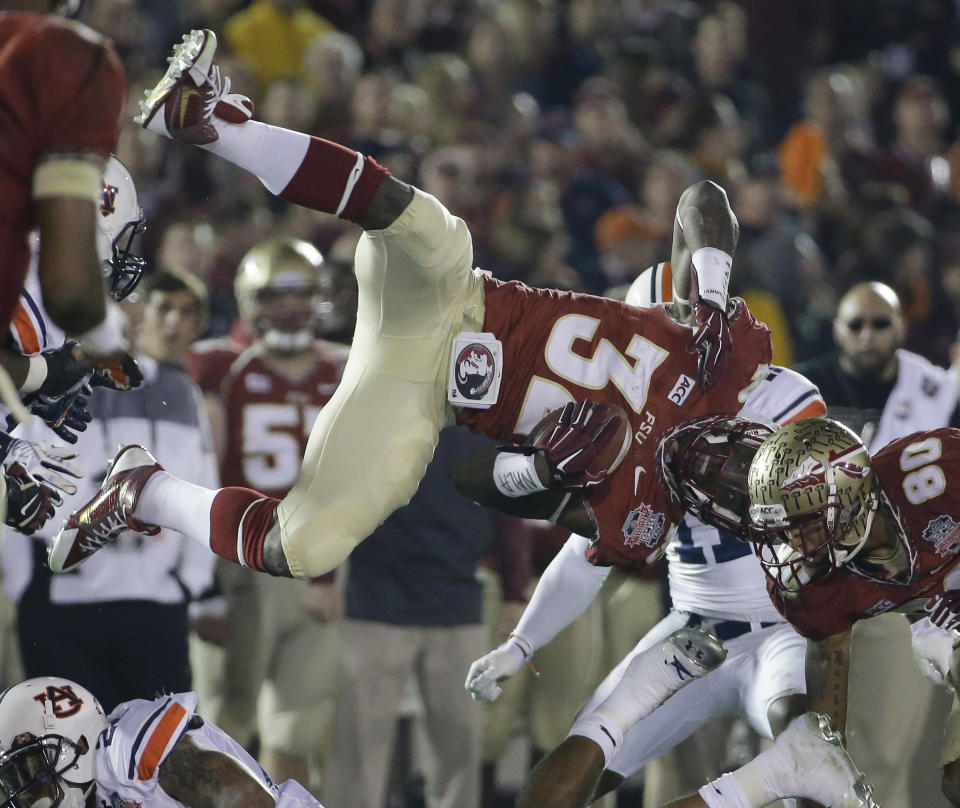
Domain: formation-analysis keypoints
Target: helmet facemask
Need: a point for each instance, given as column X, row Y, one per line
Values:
column 703, row 464
column 120, row 221
column 32, row 773
column 813, row 501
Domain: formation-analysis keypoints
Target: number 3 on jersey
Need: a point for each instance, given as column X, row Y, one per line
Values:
column 606, row 366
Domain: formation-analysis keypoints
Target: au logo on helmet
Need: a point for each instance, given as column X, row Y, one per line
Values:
column 63, row 701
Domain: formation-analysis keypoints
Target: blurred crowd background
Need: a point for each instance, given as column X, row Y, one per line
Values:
column 564, row 132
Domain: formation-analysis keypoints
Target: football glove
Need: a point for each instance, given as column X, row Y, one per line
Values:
column 712, row 338
column 119, row 372
column 66, row 415
column 497, row 666
column 48, row 463
column 944, row 609
column 65, row 372
column 570, row 448
column 932, row 649
column 30, row 503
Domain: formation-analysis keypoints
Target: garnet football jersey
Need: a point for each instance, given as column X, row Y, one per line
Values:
column 269, row 418
column 919, row 474
column 62, row 90
column 562, row 346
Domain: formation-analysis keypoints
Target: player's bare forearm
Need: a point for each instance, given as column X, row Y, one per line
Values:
column 473, row 479
column 828, row 668
column 206, row 778
column 566, row 778
column 704, row 219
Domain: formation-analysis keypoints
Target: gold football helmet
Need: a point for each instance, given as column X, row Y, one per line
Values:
column 813, row 498
column 277, row 288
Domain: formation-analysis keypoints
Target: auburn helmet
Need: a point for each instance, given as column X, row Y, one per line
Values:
column 703, row 464
column 287, row 268
column 119, row 223
column 48, row 731
column 813, row 498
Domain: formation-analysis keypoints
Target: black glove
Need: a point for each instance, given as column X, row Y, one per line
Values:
column 121, row 373
column 65, row 373
column 30, row 503
column 65, row 415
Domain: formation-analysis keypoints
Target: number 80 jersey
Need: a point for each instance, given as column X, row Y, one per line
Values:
column 563, row 346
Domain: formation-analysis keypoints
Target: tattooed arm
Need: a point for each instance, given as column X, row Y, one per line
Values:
column 828, row 666
column 206, row 778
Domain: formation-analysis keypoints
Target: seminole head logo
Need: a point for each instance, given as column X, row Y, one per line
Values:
column 475, row 371
column 814, row 472
column 108, row 200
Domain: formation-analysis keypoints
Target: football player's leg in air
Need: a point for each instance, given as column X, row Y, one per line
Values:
column 406, row 318
column 417, row 290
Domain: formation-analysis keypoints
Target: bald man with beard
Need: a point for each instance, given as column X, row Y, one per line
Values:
column 883, row 392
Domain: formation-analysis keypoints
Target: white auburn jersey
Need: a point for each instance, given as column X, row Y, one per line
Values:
column 139, row 736
column 711, row 572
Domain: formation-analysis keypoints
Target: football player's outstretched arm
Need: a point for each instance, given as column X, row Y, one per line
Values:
column 704, row 219
column 828, row 668
column 207, row 778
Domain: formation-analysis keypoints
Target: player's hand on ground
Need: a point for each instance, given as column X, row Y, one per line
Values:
column 323, row 602
column 30, row 503
column 574, row 445
column 944, row 609
column 118, row 371
column 48, row 463
column 500, row 664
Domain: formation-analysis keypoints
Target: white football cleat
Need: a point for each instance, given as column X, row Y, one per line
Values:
column 108, row 514
column 823, row 769
column 183, row 103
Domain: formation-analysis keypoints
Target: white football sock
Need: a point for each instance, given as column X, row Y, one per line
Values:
column 725, row 792
column 271, row 153
column 178, row 505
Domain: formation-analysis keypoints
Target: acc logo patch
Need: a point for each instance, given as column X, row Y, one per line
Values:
column 476, row 367
column 944, row 534
column 643, row 526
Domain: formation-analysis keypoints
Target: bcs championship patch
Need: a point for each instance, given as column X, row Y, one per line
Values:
column 476, row 368
column 944, row 534
column 643, row 526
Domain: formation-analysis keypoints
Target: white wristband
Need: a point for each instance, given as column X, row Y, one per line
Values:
column 36, row 374
column 713, row 275
column 515, row 475
column 106, row 338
